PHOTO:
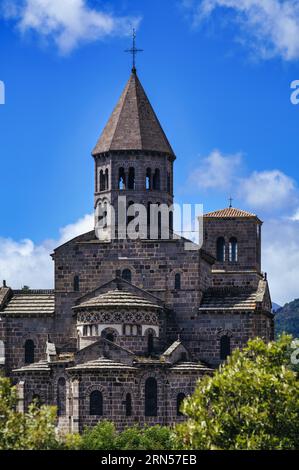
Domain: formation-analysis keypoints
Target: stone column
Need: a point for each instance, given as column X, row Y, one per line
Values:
column 20, row 395
column 75, row 408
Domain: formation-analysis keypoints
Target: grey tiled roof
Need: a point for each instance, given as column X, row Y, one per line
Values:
column 41, row 366
column 172, row 348
column 30, row 303
column 189, row 366
column 118, row 298
column 229, row 299
column 102, row 363
column 133, row 124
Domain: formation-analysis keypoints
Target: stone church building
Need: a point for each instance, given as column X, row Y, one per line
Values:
column 131, row 325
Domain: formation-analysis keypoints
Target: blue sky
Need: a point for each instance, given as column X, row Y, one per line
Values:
column 219, row 80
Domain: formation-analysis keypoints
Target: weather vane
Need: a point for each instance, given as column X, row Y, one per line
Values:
column 134, row 51
column 230, row 202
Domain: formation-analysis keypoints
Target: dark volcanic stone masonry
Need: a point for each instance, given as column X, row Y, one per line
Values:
column 132, row 324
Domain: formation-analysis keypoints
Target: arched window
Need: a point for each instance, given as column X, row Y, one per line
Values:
column 179, row 400
column 127, row 275
column 220, row 248
column 76, row 283
column 107, row 179
column 2, row 352
column 151, row 397
column 121, row 179
column 224, row 347
column 29, row 351
column 61, row 396
column 102, row 180
column 156, row 179
column 233, row 250
column 150, row 343
column 177, row 281
column 128, row 403
column 148, row 179
column 96, row 403
column 131, row 179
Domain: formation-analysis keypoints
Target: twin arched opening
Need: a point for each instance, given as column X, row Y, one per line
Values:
column 232, row 250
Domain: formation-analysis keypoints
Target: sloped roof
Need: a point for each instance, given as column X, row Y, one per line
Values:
column 229, row 298
column 190, row 367
column 118, row 298
column 30, row 303
column 41, row 366
column 102, row 363
column 133, row 125
column 229, row 212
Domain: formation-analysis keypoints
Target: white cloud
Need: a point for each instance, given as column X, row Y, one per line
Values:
column 268, row 190
column 281, row 259
column 66, row 22
column 270, row 27
column 26, row 263
column 217, row 171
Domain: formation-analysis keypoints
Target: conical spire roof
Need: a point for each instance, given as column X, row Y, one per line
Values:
column 133, row 125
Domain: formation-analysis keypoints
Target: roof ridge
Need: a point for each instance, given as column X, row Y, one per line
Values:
column 230, row 212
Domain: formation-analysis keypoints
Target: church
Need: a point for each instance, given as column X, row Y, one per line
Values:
column 132, row 324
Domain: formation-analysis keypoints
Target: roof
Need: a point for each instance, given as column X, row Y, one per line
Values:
column 133, row 125
column 101, row 363
column 190, row 366
column 41, row 366
column 118, row 298
column 230, row 212
column 172, row 348
column 229, row 298
column 30, row 303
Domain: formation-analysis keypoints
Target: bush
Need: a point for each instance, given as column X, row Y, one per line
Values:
column 104, row 436
column 251, row 402
column 34, row 430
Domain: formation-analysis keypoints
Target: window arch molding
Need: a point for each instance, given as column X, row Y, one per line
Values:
column 103, row 391
column 109, row 332
column 143, row 379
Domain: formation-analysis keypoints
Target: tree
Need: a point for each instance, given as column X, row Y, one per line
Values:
column 104, row 436
column 34, row 430
column 251, row 402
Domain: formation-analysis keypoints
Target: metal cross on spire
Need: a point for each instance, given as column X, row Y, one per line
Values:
column 134, row 51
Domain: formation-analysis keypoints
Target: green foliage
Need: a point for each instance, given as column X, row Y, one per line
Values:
column 34, row 430
column 100, row 437
column 104, row 436
column 286, row 319
column 147, row 438
column 252, row 402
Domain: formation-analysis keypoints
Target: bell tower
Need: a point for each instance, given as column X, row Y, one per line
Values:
column 133, row 158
